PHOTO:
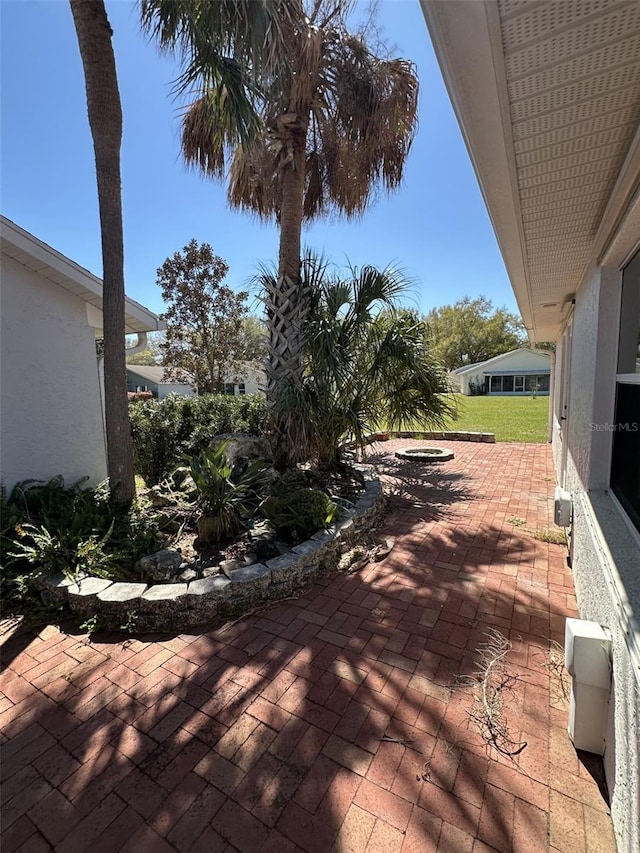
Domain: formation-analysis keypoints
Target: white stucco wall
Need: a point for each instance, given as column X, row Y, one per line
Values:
column 50, row 411
column 605, row 551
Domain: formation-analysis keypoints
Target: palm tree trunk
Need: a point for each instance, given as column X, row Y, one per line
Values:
column 105, row 119
column 287, row 309
column 288, row 305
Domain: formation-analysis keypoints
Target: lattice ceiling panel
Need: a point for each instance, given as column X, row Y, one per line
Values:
column 573, row 83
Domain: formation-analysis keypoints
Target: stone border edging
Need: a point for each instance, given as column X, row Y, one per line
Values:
column 177, row 606
column 487, row 437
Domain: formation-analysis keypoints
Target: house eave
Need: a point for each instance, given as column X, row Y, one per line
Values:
column 32, row 253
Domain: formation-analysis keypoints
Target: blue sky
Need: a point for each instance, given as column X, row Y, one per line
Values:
column 435, row 227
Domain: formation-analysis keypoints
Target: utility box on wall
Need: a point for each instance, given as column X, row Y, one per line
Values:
column 588, row 661
column 562, row 507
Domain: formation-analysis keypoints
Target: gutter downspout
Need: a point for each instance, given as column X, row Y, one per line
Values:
column 552, row 392
column 139, row 346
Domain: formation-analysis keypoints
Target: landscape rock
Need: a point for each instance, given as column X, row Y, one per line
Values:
column 162, row 566
column 242, row 450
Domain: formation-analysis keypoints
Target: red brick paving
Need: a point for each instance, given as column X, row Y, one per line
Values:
column 266, row 736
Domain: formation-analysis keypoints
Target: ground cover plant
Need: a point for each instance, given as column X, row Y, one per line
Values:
column 53, row 527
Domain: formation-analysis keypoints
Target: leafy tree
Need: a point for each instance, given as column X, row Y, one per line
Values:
column 367, row 363
column 253, row 339
column 337, row 124
column 471, row 331
column 105, row 120
column 204, row 318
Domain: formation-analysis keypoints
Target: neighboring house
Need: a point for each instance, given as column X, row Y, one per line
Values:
column 51, row 413
column 250, row 378
column 521, row 372
column 547, row 95
column 152, row 378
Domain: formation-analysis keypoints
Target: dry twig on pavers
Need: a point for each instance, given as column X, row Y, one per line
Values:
column 405, row 741
column 490, row 681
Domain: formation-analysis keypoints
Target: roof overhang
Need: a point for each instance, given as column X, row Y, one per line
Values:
column 27, row 250
column 547, row 96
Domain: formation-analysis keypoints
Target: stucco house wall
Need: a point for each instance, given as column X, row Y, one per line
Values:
column 51, row 406
column 51, row 413
column 605, row 550
column 252, row 376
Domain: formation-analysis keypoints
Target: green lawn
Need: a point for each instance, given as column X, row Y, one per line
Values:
column 509, row 418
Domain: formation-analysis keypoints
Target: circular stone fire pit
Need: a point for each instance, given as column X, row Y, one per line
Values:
column 425, row 454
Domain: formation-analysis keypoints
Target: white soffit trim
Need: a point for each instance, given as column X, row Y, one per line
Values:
column 548, row 98
column 32, row 253
column 465, row 45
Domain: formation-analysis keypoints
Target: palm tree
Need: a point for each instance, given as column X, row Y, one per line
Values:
column 367, row 363
column 337, row 124
column 105, row 119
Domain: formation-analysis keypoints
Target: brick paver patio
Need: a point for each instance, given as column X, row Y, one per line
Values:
column 265, row 737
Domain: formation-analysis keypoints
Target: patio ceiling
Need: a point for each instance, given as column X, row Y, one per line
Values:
column 547, row 95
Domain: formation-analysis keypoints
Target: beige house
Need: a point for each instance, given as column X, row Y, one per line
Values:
column 51, row 411
column 518, row 373
column 547, row 95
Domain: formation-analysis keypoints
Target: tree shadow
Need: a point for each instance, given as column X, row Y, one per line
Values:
column 337, row 718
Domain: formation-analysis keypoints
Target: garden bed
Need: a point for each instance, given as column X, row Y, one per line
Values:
column 178, row 606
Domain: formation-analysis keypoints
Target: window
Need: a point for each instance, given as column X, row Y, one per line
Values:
column 229, row 389
column 241, row 388
column 518, row 384
column 507, row 383
column 496, row 384
column 625, row 460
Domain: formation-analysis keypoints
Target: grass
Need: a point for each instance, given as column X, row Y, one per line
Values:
column 509, row 418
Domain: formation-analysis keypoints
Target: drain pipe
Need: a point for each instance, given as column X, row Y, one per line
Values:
column 139, row 346
column 552, row 392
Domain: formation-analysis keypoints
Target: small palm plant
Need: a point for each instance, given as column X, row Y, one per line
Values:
column 224, row 502
column 368, row 363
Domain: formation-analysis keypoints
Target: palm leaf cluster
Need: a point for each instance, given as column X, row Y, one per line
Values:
column 367, row 361
column 226, row 48
column 354, row 114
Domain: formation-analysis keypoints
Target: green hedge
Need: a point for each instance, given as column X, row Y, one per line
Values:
column 165, row 430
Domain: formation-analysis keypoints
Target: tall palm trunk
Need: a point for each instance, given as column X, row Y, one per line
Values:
column 287, row 305
column 287, row 311
column 105, row 119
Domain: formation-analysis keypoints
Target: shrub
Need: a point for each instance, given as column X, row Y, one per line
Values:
column 164, row 431
column 300, row 514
